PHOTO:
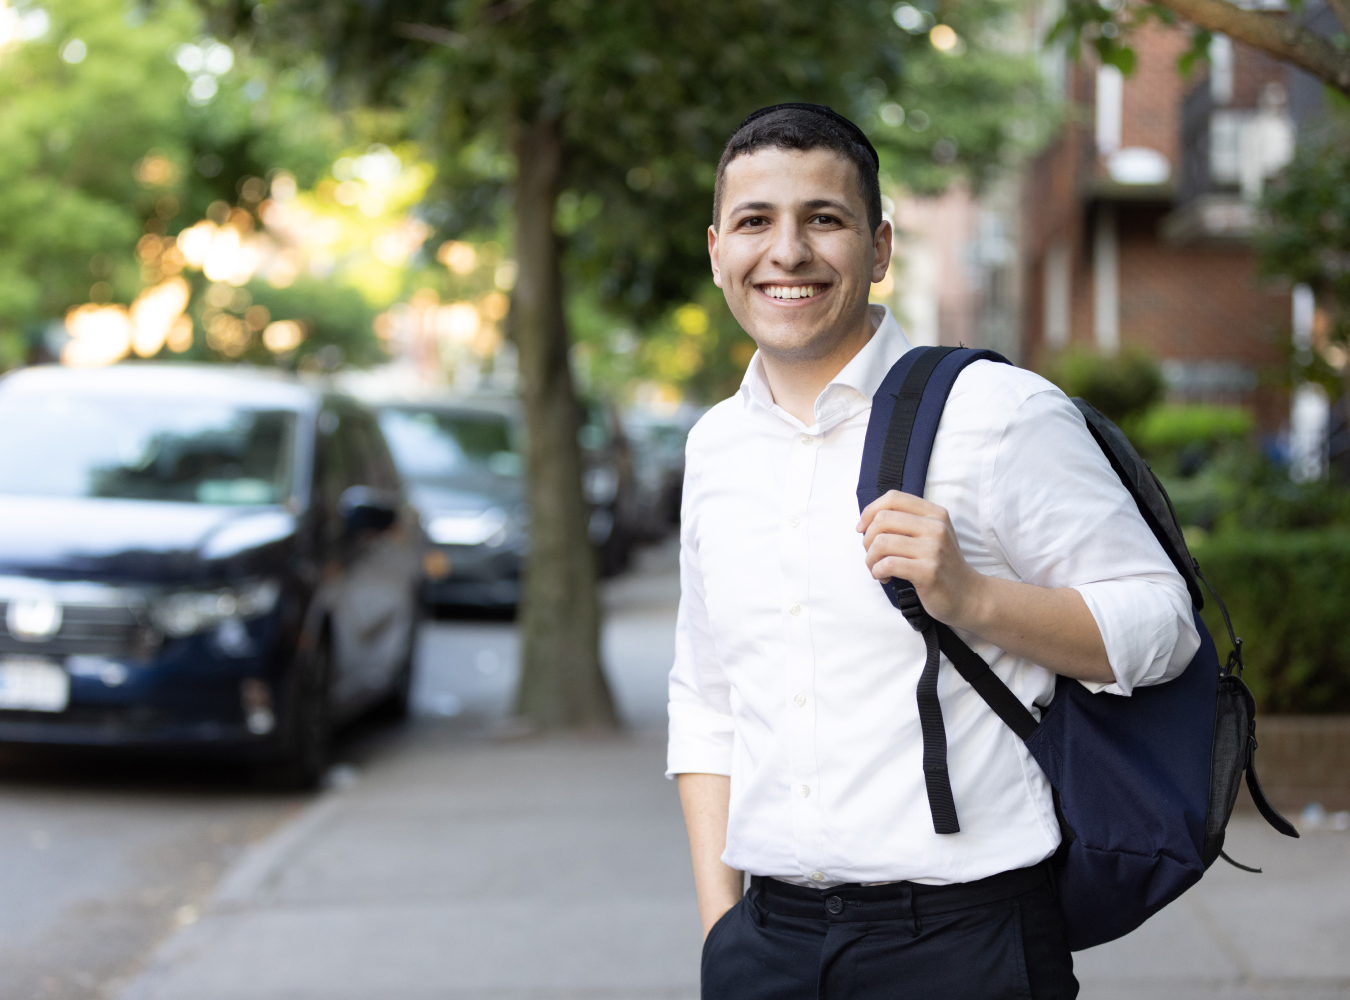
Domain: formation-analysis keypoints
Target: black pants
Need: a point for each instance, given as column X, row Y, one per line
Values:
column 1001, row 937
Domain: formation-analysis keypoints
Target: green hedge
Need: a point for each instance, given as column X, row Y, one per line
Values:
column 1288, row 593
column 1169, row 429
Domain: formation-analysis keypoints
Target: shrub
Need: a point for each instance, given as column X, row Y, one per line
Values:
column 1287, row 593
column 1166, row 430
column 1121, row 385
column 1240, row 489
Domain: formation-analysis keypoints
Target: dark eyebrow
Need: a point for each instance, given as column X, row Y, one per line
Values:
column 838, row 206
column 813, row 205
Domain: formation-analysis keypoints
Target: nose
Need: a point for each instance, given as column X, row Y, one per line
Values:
column 791, row 248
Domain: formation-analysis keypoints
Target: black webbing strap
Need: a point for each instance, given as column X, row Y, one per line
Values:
column 892, row 473
column 1233, row 668
column 890, row 476
column 935, row 778
column 938, row 638
column 970, row 665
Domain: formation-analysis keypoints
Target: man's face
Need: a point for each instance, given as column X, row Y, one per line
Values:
column 793, row 252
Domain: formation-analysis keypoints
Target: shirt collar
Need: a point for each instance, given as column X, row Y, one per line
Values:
column 849, row 392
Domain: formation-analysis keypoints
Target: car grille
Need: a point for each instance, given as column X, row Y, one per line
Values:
column 93, row 631
column 95, row 621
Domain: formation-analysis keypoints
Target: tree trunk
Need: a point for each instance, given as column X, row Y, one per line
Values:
column 1275, row 34
column 561, row 683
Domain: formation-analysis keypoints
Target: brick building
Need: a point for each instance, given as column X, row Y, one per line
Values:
column 1136, row 222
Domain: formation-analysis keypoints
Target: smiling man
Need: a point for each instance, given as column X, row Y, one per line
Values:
column 794, row 729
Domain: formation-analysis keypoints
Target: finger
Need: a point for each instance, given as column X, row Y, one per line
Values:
column 894, row 522
column 903, row 502
column 896, row 567
column 918, row 550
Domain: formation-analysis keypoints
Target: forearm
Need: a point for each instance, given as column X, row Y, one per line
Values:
column 1051, row 627
column 706, row 800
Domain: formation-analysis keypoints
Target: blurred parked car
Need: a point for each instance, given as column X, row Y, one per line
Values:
column 199, row 557
column 657, row 444
column 609, row 486
column 462, row 460
column 462, row 464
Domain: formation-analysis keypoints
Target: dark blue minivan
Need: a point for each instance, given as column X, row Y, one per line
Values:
column 204, row 557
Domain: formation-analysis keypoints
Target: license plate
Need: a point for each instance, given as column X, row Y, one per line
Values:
column 30, row 684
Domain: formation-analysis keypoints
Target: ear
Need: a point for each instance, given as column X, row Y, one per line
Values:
column 712, row 256
column 881, row 243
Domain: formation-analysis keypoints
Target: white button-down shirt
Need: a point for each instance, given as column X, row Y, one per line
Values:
column 794, row 674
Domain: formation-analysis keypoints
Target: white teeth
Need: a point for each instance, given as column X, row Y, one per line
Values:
column 790, row 291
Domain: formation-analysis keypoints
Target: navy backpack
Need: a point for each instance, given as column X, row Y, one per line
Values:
column 1143, row 786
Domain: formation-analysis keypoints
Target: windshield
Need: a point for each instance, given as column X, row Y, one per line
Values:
column 440, row 445
column 174, row 449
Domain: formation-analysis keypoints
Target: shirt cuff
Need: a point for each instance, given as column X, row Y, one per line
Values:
column 1147, row 639
column 700, row 741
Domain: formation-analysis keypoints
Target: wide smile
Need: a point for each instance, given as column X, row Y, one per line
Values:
column 793, row 294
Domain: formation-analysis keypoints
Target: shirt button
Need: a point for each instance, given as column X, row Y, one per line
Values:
column 804, row 791
column 807, row 439
column 800, row 700
column 817, row 876
column 796, row 609
column 794, row 520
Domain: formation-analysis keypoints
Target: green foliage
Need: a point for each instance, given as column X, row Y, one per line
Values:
column 99, row 151
column 1122, row 385
column 698, row 348
column 329, row 314
column 1172, row 428
column 1107, row 26
column 70, row 205
column 1307, row 239
column 1238, row 489
column 1287, row 593
column 1180, row 439
column 646, row 95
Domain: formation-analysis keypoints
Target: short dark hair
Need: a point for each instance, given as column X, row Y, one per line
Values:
column 803, row 128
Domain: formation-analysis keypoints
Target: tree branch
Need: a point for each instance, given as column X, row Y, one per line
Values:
column 431, row 33
column 1341, row 8
column 1277, row 35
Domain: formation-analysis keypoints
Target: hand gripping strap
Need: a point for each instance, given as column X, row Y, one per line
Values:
column 891, row 476
column 906, row 411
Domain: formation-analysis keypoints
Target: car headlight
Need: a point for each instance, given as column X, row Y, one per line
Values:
column 190, row 611
column 487, row 528
column 600, row 485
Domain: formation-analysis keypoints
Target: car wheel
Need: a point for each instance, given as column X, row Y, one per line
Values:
column 306, row 740
column 614, row 555
column 397, row 704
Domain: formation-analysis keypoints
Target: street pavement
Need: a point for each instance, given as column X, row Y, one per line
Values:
column 455, row 859
column 101, row 857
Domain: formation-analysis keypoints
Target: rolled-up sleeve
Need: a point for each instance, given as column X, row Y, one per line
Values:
column 701, row 728
column 1065, row 520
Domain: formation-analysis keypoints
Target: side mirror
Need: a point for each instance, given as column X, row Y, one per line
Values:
column 364, row 509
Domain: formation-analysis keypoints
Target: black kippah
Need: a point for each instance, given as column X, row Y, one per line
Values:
column 829, row 113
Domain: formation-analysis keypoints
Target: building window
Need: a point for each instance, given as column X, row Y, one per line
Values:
column 1056, row 307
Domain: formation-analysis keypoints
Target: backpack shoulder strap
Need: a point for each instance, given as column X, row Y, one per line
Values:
column 906, row 411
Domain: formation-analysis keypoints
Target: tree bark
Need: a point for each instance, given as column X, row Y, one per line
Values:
column 1272, row 33
column 562, row 685
column 1341, row 8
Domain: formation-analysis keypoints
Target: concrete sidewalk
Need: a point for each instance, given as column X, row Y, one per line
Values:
column 461, row 865
column 460, row 868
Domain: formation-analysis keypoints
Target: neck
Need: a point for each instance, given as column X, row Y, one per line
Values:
column 796, row 382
